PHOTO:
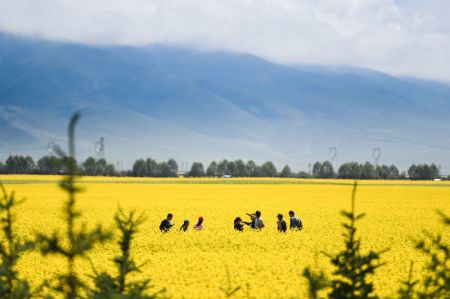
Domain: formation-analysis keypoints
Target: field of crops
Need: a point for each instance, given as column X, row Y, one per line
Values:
column 264, row 264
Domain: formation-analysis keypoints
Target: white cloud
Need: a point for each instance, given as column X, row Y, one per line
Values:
column 406, row 37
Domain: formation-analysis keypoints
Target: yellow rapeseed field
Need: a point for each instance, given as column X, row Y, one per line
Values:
column 265, row 264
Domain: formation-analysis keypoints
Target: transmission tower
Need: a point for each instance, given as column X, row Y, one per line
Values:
column 332, row 153
column 376, row 154
column 51, row 148
column 100, row 148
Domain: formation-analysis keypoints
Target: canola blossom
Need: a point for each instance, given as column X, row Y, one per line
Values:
column 263, row 264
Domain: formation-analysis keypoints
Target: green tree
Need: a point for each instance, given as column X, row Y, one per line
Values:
column 436, row 281
column 252, row 169
column 164, row 170
column 152, row 168
column 49, row 165
column 11, row 249
column 382, row 172
column 110, row 170
column 350, row 170
column 316, row 169
column 286, row 172
column 173, row 165
column 211, row 171
column 100, row 167
column 326, row 170
column 139, row 168
column 222, row 168
column 406, row 290
column 66, row 162
column 197, row 170
column 119, row 286
column 317, row 282
column 353, row 268
column 241, row 169
column 423, row 172
column 412, row 172
column 368, row 172
column 268, row 170
column 79, row 240
column 232, row 168
column 20, row 165
column 393, row 173
column 344, row 171
column 89, row 166
column 433, row 172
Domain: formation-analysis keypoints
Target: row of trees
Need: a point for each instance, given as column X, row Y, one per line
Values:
column 423, row 172
column 354, row 170
column 368, row 171
column 151, row 168
column 238, row 168
column 55, row 165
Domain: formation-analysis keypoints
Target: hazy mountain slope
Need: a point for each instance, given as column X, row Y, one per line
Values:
column 169, row 102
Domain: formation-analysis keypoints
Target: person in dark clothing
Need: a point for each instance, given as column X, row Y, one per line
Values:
column 166, row 224
column 282, row 226
column 185, row 225
column 295, row 222
column 239, row 224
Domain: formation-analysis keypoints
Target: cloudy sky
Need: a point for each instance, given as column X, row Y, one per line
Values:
column 402, row 37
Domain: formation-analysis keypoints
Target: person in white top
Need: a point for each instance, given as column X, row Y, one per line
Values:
column 259, row 223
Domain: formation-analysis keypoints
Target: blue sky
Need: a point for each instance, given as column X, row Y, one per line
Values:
column 403, row 37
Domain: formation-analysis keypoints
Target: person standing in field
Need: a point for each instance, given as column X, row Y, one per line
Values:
column 259, row 223
column 199, row 225
column 295, row 222
column 166, row 224
column 185, row 225
column 281, row 224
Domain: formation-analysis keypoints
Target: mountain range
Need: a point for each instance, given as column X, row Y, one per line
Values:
column 171, row 102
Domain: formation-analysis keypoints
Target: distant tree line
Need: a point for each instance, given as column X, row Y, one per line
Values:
column 151, row 168
column 423, row 172
column 240, row 168
column 16, row 164
column 55, row 165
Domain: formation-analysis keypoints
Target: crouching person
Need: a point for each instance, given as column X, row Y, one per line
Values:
column 166, row 224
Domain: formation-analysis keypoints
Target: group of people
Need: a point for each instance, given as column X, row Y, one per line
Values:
column 167, row 224
column 255, row 223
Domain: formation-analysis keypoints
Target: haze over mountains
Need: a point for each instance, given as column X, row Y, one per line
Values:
column 165, row 102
